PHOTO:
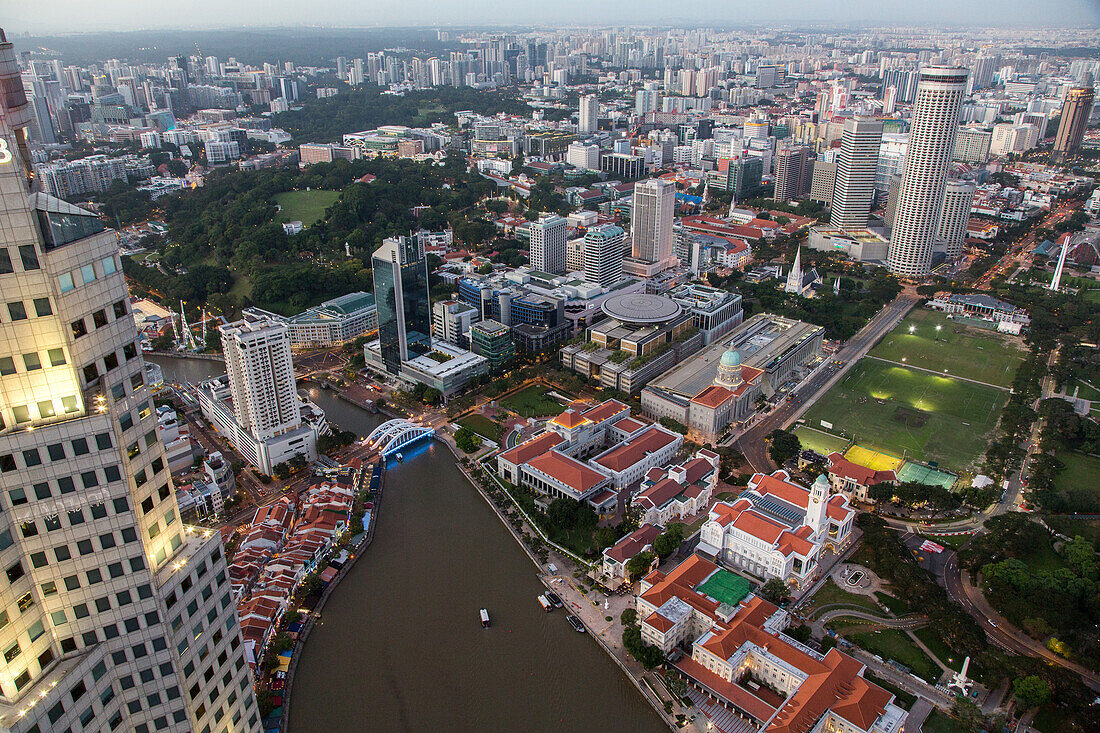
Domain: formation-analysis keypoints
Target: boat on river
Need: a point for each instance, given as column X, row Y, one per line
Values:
column 576, row 623
column 546, row 604
column 484, row 618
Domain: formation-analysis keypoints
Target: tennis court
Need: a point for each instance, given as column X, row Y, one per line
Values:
column 872, row 459
column 922, row 474
column 725, row 587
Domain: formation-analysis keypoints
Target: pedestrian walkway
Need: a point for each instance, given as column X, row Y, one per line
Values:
column 938, row 374
column 723, row 718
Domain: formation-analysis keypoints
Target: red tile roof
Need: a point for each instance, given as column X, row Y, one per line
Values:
column 713, row 396
column 528, row 449
column 841, row 466
column 569, row 419
column 604, row 410
column 566, row 470
column 633, row 543
column 659, row 622
column 636, row 449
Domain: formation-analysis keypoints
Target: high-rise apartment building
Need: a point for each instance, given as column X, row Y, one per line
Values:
column 651, row 220
column 793, row 172
column 958, row 196
column 972, row 145
column 854, row 189
column 261, row 377
column 589, row 118
column 114, row 615
column 603, row 254
column 401, row 296
column 823, row 181
column 1075, row 118
column 931, row 144
column 548, row 236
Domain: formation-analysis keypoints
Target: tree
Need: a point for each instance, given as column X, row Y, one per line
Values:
column 776, row 591
column 784, row 446
column 1030, row 691
column 670, row 541
column 640, row 564
column 467, row 440
column 629, row 616
column 281, row 471
column 800, row 633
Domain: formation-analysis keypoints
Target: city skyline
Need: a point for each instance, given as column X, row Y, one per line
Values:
column 70, row 16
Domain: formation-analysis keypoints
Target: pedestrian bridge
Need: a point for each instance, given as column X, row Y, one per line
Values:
column 393, row 435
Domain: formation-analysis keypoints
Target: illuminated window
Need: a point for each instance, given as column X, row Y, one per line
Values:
column 79, row 328
column 21, row 413
column 45, row 408
column 69, row 404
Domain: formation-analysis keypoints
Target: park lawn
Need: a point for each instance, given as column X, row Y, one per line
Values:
column 939, row 722
column 897, row 606
column 483, row 426
column 532, row 401
column 832, row 594
column 894, row 644
column 1080, row 474
column 948, row 540
column 964, row 351
column 819, row 441
column 935, row 643
column 304, row 206
column 1084, row 391
column 912, row 414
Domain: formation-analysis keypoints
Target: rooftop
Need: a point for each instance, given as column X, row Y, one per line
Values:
column 641, row 308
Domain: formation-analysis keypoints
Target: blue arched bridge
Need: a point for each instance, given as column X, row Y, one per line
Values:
column 393, row 435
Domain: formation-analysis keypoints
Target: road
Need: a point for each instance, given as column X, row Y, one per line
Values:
column 751, row 443
column 1018, row 255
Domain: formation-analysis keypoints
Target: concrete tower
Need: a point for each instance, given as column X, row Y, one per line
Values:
column 794, row 277
column 957, row 198
column 857, row 164
column 651, row 220
column 548, row 236
column 1075, row 118
column 589, row 114
column 114, row 616
column 940, row 93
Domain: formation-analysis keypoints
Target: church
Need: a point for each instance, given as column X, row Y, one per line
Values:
column 777, row 529
column 803, row 284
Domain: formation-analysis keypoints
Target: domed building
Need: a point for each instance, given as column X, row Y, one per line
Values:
column 729, row 369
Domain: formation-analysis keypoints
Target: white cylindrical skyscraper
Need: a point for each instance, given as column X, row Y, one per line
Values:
column 940, row 92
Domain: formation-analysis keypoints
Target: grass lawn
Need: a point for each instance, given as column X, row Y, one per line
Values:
column 819, row 441
column 1084, row 391
column 832, row 594
column 1087, row 527
column 1080, row 473
column 963, row 351
column 912, row 414
column 304, row 206
column 948, row 540
column 532, row 402
column 935, row 643
column 939, row 722
column 894, row 644
column 897, row 606
column 483, row 426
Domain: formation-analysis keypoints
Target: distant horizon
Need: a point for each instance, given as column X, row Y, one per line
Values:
column 73, row 17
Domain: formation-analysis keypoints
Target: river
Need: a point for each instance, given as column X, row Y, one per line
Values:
column 400, row 646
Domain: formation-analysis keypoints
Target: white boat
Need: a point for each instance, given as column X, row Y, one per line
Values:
column 546, row 604
column 484, row 618
column 400, row 457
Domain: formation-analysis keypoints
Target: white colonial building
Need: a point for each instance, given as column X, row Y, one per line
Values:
column 676, row 493
column 777, row 529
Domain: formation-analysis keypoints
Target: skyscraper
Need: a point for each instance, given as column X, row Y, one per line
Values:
column 114, row 615
column 261, row 377
column 1075, row 118
column 651, row 220
column 793, row 172
column 931, row 144
column 603, row 254
column 401, row 295
column 589, row 118
column 548, row 236
column 854, row 189
column 958, row 195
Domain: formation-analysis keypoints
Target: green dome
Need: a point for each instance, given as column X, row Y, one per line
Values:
column 731, row 358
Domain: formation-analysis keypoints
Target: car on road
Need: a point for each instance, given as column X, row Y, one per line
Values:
column 992, row 623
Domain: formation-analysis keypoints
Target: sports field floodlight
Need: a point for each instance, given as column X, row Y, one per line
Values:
column 939, row 327
column 912, row 329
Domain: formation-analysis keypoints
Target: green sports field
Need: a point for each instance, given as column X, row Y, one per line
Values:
column 305, row 206
column 964, row 351
column 912, row 414
column 819, row 441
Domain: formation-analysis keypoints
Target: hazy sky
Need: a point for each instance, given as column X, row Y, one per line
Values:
column 46, row 16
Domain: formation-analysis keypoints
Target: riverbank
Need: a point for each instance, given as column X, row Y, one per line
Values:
column 315, row 614
column 571, row 596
